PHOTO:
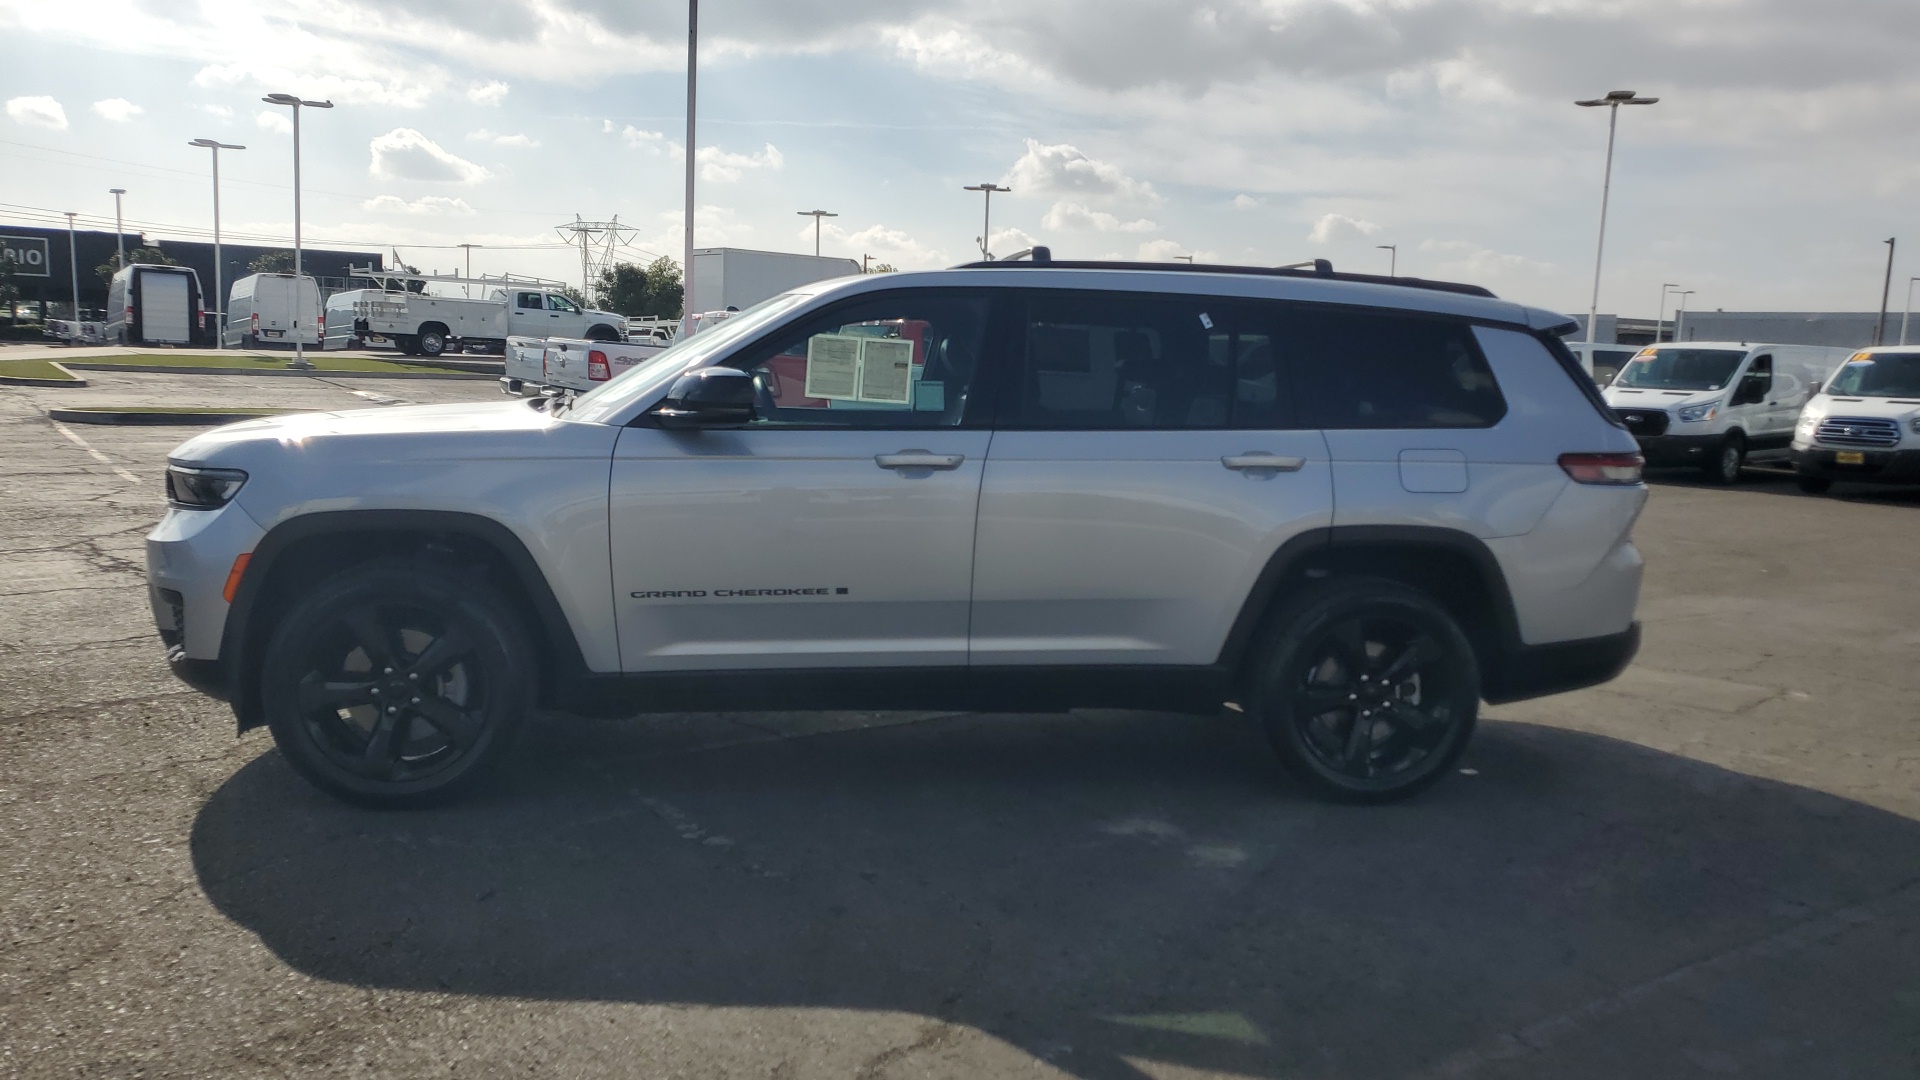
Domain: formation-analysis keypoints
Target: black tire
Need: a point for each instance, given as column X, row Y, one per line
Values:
column 603, row 333
column 407, row 344
column 1813, row 485
column 1366, row 642
column 1728, row 459
column 431, row 342
column 397, row 684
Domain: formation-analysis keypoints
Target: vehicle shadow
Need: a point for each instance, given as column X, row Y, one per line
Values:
column 1778, row 481
column 1089, row 888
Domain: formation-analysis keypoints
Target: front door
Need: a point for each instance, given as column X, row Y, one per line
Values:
column 833, row 531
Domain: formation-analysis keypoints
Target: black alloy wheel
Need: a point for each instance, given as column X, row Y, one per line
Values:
column 1372, row 692
column 396, row 684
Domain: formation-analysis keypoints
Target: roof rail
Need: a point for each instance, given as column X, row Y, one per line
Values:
column 1041, row 257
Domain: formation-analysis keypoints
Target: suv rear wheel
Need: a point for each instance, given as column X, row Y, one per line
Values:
column 396, row 684
column 1369, row 691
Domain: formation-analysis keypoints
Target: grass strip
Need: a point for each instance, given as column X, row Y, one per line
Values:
column 229, row 361
column 37, row 369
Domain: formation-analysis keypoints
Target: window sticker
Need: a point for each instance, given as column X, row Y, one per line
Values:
column 833, row 367
column 886, row 370
column 1206, row 321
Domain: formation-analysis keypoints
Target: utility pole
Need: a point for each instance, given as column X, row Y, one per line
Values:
column 119, row 243
column 1886, row 289
column 816, row 215
column 606, row 235
column 73, row 265
column 986, row 189
column 1613, row 101
column 693, row 68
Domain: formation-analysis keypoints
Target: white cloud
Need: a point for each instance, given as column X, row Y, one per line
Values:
column 1332, row 227
column 517, row 141
column 1170, row 250
column 886, row 245
column 273, row 120
column 37, row 111
column 405, row 154
column 652, row 141
column 719, row 166
column 118, row 110
column 1061, row 168
column 1073, row 216
column 218, row 112
column 1477, row 263
column 1245, row 202
column 1008, row 240
column 427, row 204
column 492, row 92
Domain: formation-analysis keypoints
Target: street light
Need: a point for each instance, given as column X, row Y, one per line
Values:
column 467, row 286
column 119, row 245
column 686, row 268
column 299, row 350
column 219, row 296
column 73, row 265
column 1660, row 317
column 816, row 215
column 1393, row 258
column 1680, row 312
column 986, row 221
column 1886, row 289
column 1907, row 311
column 1612, row 101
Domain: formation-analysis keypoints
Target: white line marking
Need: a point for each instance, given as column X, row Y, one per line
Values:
column 97, row 455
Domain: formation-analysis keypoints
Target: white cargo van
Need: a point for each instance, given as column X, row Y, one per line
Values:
column 1602, row 361
column 148, row 304
column 1717, row 405
column 1863, row 426
column 272, row 309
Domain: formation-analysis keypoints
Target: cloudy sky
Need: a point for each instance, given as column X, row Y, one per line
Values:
column 1786, row 146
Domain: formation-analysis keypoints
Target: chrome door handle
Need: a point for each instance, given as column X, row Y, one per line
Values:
column 918, row 459
column 1256, row 460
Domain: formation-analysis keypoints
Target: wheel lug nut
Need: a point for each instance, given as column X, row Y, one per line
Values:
column 389, row 671
column 414, row 677
column 1353, row 697
column 376, row 691
column 416, row 701
column 393, row 708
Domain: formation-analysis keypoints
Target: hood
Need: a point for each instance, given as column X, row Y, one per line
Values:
column 1636, row 398
column 1904, row 410
column 401, row 422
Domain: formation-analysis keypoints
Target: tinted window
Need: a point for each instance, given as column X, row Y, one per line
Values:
column 531, row 300
column 1359, row 369
column 561, row 303
column 906, row 360
column 1108, row 362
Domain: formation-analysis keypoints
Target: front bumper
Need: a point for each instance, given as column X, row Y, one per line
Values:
column 1876, row 466
column 1678, row 449
column 189, row 555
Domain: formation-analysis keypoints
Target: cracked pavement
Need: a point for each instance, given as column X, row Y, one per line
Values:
column 1708, row 867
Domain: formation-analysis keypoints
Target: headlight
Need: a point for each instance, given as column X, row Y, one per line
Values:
column 1915, row 425
column 1694, row 414
column 1807, row 424
column 202, row 489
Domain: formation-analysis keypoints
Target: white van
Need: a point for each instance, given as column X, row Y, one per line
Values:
column 1715, row 405
column 1863, row 425
column 1600, row 360
column 148, row 304
column 272, row 309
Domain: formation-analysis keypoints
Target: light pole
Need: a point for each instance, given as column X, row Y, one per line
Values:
column 1393, row 258
column 1613, row 101
column 299, row 350
column 467, row 287
column 1680, row 312
column 986, row 221
column 1886, row 289
column 119, row 245
column 816, row 215
column 686, row 267
column 1907, row 311
column 219, row 267
column 1660, row 317
column 73, row 265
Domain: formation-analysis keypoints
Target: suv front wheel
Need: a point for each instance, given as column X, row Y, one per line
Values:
column 1368, row 691
column 396, row 684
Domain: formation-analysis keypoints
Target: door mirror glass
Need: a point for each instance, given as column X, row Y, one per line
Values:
column 1753, row 390
column 709, row 397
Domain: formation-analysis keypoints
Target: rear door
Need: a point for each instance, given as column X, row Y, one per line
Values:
column 166, row 307
column 1145, row 466
column 527, row 314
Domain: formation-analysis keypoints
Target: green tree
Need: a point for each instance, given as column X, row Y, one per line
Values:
column 632, row 289
column 151, row 256
column 883, row 268
column 272, row 262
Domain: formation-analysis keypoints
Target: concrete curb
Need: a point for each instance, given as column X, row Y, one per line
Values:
column 158, row 419
column 19, row 380
column 168, row 369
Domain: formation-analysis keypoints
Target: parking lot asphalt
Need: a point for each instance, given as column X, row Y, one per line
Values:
column 1709, row 867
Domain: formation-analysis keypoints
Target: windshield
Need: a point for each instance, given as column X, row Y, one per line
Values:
column 1680, row 369
column 641, row 379
column 1878, row 375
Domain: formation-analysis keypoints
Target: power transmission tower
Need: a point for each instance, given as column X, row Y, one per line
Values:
column 597, row 240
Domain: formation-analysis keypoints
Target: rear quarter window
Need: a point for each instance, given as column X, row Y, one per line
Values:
column 1359, row 369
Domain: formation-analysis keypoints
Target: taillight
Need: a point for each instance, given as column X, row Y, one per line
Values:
column 1614, row 469
column 255, row 320
column 597, row 370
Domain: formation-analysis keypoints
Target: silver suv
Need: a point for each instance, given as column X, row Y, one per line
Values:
column 1350, row 508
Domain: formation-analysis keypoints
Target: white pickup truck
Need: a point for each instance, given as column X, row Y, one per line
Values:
column 536, row 364
column 421, row 325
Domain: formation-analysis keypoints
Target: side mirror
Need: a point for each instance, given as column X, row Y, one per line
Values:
column 709, row 397
column 1751, row 391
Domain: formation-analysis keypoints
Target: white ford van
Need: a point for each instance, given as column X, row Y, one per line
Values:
column 1864, row 424
column 273, row 309
column 1717, row 405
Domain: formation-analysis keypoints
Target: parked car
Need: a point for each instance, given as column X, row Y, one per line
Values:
column 422, row 325
column 273, row 309
column 149, row 304
column 1009, row 486
column 1863, row 426
column 1715, row 406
